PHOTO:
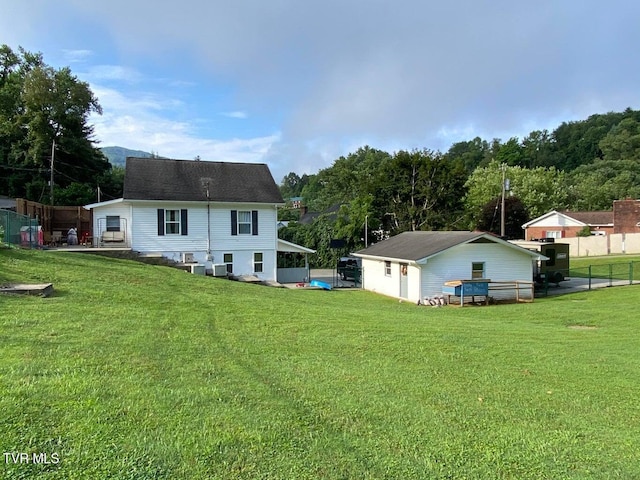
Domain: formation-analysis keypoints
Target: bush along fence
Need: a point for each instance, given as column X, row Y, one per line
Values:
column 595, row 276
column 16, row 229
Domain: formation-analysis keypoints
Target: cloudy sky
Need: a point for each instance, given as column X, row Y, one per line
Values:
column 296, row 83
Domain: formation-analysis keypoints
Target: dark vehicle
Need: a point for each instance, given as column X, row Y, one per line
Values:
column 556, row 268
column 349, row 269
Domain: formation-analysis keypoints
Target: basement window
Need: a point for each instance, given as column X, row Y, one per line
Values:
column 257, row 262
column 227, row 258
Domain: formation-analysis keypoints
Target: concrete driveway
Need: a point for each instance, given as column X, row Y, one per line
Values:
column 578, row 284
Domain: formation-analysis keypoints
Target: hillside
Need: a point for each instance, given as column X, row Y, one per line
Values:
column 138, row 371
column 118, row 155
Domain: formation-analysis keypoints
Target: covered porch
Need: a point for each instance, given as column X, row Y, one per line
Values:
column 292, row 262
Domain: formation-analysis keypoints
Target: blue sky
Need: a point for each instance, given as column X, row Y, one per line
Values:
column 296, row 84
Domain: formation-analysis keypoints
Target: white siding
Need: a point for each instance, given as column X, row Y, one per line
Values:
column 100, row 214
column 501, row 264
column 146, row 238
column 377, row 281
column 556, row 220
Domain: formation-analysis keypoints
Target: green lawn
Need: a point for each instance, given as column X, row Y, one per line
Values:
column 134, row 371
column 619, row 267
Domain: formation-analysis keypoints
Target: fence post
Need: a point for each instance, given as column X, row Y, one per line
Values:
column 589, row 277
column 611, row 274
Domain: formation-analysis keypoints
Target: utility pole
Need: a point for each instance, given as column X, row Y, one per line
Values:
column 366, row 221
column 505, row 187
column 53, row 154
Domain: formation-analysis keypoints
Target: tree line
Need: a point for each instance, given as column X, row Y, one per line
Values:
column 43, row 127
column 581, row 166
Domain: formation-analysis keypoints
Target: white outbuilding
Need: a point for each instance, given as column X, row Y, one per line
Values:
column 415, row 265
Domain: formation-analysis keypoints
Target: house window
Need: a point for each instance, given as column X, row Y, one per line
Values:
column 228, row 260
column 387, row 269
column 553, row 234
column 244, row 223
column 257, row 262
column 113, row 223
column 172, row 222
column 477, row 270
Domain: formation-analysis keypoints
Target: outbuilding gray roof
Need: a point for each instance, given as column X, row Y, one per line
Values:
column 418, row 245
column 187, row 180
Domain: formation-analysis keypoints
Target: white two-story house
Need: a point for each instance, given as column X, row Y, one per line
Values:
column 220, row 212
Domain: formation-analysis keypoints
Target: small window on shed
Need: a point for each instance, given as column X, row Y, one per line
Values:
column 477, row 270
column 387, row 269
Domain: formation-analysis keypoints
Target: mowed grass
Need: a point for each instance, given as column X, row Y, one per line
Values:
column 133, row 371
column 618, row 267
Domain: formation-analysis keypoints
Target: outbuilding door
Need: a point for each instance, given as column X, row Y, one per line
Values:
column 404, row 280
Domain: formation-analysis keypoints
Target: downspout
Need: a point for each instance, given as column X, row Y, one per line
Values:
column 275, row 264
column 209, row 257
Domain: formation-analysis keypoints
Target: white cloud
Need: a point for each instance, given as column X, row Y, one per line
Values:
column 77, row 56
column 119, row 73
column 327, row 75
column 141, row 122
column 236, row 114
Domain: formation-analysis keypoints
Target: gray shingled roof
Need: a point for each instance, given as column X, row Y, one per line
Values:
column 185, row 180
column 417, row 245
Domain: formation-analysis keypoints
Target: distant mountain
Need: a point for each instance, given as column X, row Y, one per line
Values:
column 118, row 155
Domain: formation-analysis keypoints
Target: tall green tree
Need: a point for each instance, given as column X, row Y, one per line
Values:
column 540, row 189
column 423, row 191
column 43, row 114
column 515, row 215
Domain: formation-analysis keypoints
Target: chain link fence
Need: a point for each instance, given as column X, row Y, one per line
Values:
column 594, row 276
column 16, row 229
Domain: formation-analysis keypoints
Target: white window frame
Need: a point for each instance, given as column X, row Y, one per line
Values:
column 553, row 234
column 171, row 223
column 258, row 262
column 387, row 268
column 477, row 273
column 244, row 222
column 227, row 259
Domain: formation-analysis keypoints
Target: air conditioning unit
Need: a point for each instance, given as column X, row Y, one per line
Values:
column 187, row 258
column 220, row 270
column 197, row 269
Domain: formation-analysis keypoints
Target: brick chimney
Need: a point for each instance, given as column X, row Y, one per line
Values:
column 626, row 215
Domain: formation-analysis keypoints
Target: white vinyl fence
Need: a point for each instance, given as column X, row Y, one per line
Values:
column 614, row 244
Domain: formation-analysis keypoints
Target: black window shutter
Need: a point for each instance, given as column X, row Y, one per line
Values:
column 254, row 222
column 183, row 222
column 161, row 221
column 234, row 222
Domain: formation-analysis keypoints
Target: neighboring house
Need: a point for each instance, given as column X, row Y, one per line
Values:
column 567, row 224
column 296, row 202
column 624, row 218
column 415, row 265
column 225, row 214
